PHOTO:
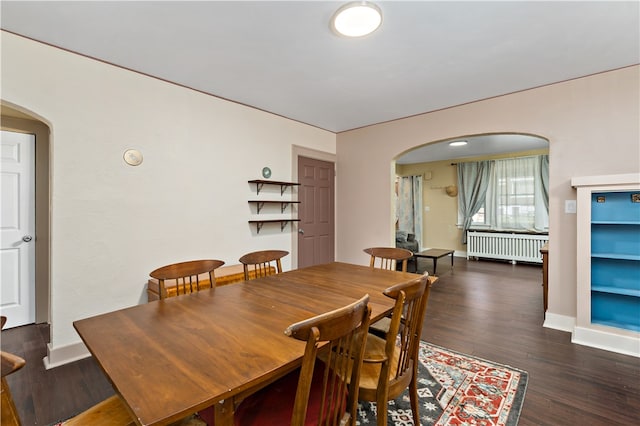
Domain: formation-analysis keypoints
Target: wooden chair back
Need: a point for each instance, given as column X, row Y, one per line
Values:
column 110, row 412
column 8, row 413
column 391, row 364
column 344, row 332
column 190, row 276
column 324, row 390
column 388, row 257
column 260, row 262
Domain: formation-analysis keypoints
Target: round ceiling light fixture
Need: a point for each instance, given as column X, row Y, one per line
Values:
column 356, row 19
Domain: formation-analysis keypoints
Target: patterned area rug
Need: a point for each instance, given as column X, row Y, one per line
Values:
column 457, row 389
column 454, row 389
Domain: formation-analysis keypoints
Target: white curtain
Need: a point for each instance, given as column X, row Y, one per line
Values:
column 473, row 183
column 409, row 205
column 516, row 196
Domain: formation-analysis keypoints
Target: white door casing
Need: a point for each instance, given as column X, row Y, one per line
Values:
column 17, row 228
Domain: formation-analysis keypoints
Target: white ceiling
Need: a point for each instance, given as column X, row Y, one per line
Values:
column 281, row 56
column 476, row 146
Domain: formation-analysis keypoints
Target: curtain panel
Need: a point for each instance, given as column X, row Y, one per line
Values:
column 544, row 180
column 409, row 205
column 473, row 181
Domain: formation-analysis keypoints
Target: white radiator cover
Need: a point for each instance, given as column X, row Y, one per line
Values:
column 506, row 246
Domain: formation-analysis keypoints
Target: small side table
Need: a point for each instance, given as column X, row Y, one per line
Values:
column 434, row 254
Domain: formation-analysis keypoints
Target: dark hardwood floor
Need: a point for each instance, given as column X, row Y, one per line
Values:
column 488, row 309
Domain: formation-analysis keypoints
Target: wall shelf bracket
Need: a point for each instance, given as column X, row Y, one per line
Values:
column 283, row 185
column 283, row 223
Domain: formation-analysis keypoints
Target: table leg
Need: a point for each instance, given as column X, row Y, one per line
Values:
column 452, row 261
column 435, row 265
column 224, row 412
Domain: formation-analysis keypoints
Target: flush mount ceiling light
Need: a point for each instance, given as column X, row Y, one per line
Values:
column 458, row 143
column 356, row 19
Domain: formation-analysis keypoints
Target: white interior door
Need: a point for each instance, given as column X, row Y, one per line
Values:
column 17, row 228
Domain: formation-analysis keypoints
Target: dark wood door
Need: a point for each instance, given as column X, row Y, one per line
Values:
column 316, row 212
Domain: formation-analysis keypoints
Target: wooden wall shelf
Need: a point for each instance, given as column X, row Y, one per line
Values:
column 283, row 223
column 283, row 185
column 283, row 204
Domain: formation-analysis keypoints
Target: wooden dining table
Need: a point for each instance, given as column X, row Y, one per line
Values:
column 174, row 357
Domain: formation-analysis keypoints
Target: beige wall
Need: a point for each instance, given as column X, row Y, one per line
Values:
column 112, row 223
column 591, row 124
column 439, row 223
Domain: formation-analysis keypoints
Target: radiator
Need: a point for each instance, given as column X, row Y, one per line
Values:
column 506, row 246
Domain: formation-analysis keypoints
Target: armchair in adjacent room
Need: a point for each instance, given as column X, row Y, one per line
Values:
column 408, row 241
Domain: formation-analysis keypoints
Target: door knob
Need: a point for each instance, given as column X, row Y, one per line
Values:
column 300, row 231
column 27, row 238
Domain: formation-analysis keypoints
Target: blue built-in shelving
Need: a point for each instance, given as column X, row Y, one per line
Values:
column 608, row 262
column 615, row 259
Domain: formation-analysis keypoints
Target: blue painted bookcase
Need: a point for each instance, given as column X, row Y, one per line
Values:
column 615, row 259
column 608, row 260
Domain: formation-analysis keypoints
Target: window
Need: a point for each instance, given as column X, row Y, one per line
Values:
column 515, row 197
column 479, row 217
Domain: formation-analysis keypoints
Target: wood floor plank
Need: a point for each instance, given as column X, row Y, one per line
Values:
column 488, row 309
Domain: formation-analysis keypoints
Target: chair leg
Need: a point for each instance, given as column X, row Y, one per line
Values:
column 382, row 396
column 381, row 406
column 413, row 396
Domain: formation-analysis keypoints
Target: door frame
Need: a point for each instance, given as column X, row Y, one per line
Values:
column 18, row 252
column 300, row 151
column 15, row 119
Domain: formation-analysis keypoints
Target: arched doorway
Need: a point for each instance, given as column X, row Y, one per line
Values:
column 435, row 162
column 18, row 120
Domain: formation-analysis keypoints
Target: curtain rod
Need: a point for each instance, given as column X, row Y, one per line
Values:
column 501, row 158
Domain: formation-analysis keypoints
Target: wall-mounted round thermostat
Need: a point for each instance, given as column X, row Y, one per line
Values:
column 132, row 157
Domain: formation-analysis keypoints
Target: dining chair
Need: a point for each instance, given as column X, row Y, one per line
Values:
column 259, row 263
column 110, row 412
column 188, row 276
column 8, row 412
column 388, row 257
column 390, row 365
column 324, row 391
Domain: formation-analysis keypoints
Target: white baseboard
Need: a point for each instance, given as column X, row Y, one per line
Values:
column 64, row 354
column 559, row 322
column 601, row 339
column 620, row 342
